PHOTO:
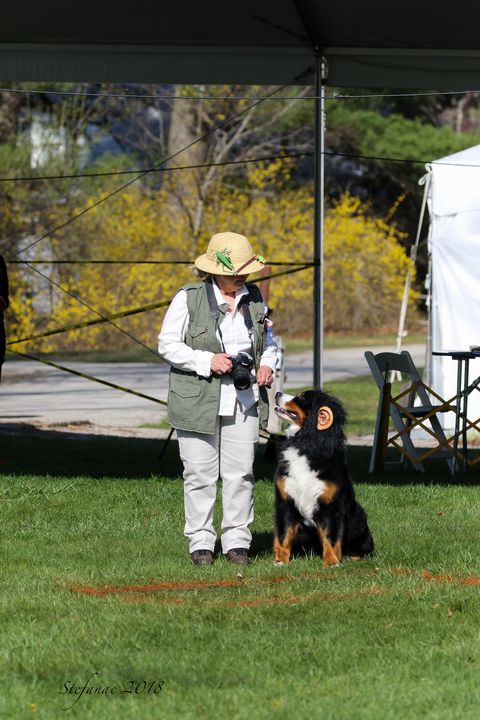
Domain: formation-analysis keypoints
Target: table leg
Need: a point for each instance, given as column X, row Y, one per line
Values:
column 457, row 417
column 464, row 414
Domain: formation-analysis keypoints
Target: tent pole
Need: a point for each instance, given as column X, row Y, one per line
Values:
column 425, row 180
column 318, row 204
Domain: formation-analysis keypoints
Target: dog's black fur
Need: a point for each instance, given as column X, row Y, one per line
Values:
column 314, row 495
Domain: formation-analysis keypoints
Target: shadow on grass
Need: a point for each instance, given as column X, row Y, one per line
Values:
column 262, row 543
column 30, row 451
column 51, row 453
column 437, row 472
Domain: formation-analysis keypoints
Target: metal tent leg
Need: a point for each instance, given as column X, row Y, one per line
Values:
column 320, row 76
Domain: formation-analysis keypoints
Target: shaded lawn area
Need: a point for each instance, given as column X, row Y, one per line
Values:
column 97, row 579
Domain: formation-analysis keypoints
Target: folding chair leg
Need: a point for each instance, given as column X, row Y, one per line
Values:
column 409, row 449
column 380, row 438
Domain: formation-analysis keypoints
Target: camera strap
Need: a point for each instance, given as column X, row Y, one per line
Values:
column 214, row 312
column 242, row 306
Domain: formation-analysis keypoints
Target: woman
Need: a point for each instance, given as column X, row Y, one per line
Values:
column 217, row 396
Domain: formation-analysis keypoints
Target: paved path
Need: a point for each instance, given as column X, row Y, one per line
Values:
column 36, row 394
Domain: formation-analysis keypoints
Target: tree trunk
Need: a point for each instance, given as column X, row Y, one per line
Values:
column 185, row 128
column 9, row 115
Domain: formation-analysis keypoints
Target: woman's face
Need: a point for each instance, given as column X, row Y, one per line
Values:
column 228, row 283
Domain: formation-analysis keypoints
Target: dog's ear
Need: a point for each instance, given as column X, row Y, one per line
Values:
column 324, row 418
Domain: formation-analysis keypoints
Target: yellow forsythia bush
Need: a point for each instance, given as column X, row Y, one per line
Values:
column 365, row 269
column 364, row 262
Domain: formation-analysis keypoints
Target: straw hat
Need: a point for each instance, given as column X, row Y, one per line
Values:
column 229, row 254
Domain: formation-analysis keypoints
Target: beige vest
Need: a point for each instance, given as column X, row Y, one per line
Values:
column 193, row 400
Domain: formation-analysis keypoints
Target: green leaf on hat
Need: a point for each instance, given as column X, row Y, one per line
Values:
column 261, row 259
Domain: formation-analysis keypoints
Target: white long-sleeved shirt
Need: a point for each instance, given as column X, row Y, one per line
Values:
column 172, row 348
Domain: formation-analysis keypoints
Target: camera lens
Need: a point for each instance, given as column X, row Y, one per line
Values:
column 241, row 366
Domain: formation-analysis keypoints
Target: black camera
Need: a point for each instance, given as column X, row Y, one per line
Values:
column 240, row 372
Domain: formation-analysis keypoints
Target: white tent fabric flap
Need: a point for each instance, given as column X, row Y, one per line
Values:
column 454, row 241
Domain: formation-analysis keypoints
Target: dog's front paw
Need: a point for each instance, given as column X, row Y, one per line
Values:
column 331, row 563
column 281, row 553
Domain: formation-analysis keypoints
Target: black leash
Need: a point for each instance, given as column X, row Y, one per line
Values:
column 165, row 444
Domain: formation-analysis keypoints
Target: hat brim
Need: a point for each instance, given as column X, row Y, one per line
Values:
column 204, row 264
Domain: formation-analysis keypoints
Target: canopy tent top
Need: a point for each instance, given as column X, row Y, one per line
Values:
column 365, row 44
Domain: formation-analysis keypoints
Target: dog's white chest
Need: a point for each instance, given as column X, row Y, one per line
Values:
column 302, row 484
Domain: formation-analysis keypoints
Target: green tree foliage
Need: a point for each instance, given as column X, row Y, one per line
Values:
column 387, row 139
column 364, row 263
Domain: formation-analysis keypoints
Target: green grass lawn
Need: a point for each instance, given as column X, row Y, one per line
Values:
column 393, row 637
column 360, row 396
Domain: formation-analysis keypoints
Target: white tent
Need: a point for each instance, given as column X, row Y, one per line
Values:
column 454, row 243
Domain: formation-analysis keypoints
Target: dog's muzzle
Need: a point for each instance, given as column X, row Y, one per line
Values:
column 281, row 399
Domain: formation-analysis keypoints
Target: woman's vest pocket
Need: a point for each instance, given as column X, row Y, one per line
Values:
column 198, row 336
column 185, row 385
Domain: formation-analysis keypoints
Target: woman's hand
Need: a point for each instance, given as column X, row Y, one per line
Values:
column 221, row 364
column 264, row 376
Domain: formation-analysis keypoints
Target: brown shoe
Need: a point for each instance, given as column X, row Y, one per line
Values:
column 238, row 556
column 202, row 557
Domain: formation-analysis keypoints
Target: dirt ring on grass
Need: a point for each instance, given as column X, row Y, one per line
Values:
column 283, row 599
column 298, row 599
column 163, row 592
column 451, row 579
column 101, row 590
column 173, row 592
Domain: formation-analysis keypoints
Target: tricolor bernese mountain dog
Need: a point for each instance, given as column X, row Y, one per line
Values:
column 314, row 495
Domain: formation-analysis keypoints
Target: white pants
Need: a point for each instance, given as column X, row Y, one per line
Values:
column 228, row 453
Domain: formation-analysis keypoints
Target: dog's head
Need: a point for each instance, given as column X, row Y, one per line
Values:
column 315, row 414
